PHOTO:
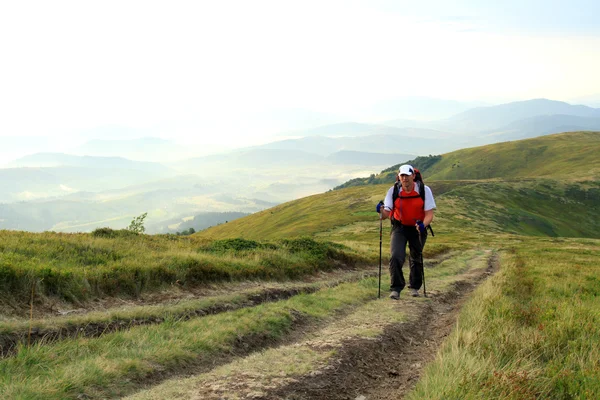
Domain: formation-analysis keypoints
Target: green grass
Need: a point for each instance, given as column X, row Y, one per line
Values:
column 116, row 363
column 280, row 243
column 302, row 217
column 272, row 366
column 526, row 207
column 538, row 207
column 569, row 156
column 110, row 365
column 531, row 331
column 80, row 267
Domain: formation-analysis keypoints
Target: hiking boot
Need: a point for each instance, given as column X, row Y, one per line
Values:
column 414, row 292
column 395, row 295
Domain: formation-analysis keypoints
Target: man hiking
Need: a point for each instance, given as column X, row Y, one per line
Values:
column 409, row 204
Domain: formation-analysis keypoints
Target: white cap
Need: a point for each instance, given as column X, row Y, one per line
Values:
column 406, row 170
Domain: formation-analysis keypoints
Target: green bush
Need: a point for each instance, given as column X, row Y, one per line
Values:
column 113, row 233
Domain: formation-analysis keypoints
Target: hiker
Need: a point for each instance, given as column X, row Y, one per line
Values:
column 410, row 208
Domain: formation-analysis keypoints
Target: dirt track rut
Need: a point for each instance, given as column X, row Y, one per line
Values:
column 387, row 368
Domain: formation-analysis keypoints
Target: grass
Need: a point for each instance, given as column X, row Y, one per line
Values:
column 526, row 207
column 537, row 207
column 272, row 367
column 180, row 309
column 545, row 156
column 529, row 332
column 570, row 156
column 80, row 267
column 111, row 365
column 118, row 363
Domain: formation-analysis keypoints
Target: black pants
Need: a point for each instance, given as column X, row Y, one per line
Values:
column 401, row 234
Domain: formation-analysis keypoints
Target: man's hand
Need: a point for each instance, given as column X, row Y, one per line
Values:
column 420, row 226
column 379, row 207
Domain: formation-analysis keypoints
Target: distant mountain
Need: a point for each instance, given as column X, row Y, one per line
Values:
column 489, row 119
column 474, row 127
column 12, row 147
column 354, row 129
column 419, row 109
column 545, row 125
column 592, row 100
column 40, row 160
column 22, row 184
column 403, row 123
column 377, row 143
column 145, row 149
column 369, row 159
column 250, row 159
column 341, row 129
column 290, row 119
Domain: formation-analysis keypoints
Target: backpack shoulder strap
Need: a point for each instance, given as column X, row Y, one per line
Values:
column 419, row 178
column 396, row 192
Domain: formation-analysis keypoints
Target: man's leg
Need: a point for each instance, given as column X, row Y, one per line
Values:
column 398, row 254
column 415, row 277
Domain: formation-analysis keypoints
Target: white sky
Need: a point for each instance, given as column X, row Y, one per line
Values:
column 200, row 70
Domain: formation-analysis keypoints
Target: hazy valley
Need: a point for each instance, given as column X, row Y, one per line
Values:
column 112, row 181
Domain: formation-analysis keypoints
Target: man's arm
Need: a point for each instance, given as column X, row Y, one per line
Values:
column 388, row 204
column 428, row 217
column 385, row 213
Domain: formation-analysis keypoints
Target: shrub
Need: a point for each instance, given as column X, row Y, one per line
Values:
column 113, row 233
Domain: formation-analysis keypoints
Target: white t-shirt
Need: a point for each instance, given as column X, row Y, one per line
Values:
column 388, row 203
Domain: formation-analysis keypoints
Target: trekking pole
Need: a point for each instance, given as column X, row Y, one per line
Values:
column 380, row 229
column 422, row 263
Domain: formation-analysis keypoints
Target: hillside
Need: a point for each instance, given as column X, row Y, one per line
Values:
column 550, row 156
column 572, row 155
column 60, row 159
column 494, row 117
column 531, row 207
column 495, row 186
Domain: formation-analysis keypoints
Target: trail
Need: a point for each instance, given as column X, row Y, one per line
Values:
column 250, row 297
column 390, row 366
column 345, row 363
column 253, row 293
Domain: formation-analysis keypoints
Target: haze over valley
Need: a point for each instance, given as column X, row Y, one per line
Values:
column 119, row 179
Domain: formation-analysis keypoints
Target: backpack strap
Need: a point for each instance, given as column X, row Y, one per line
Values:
column 419, row 178
column 396, row 192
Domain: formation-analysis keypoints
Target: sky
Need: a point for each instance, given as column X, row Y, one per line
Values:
column 224, row 73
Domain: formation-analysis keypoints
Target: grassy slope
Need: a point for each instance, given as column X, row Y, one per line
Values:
column 566, row 156
column 533, row 207
column 572, row 156
column 488, row 187
column 301, row 217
